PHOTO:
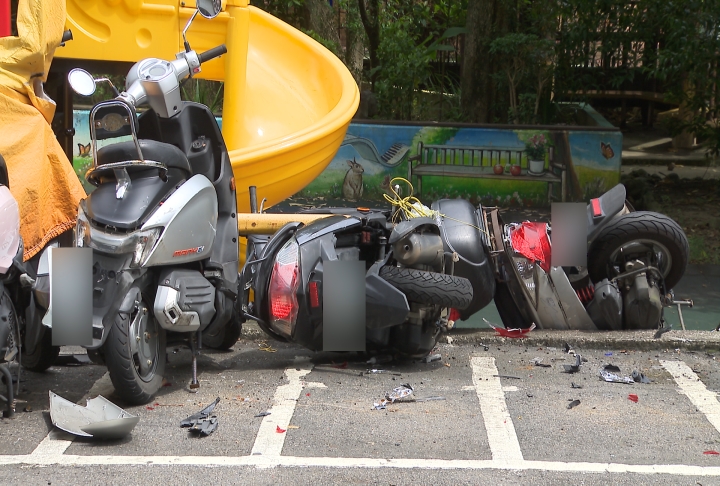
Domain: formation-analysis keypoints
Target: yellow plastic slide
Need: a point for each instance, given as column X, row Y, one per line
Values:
column 288, row 100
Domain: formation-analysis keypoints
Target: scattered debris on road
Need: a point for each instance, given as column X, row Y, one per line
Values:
column 573, row 404
column 202, row 423
column 538, row 362
column 640, row 378
column 101, row 418
column 609, row 374
column 510, row 333
column 263, row 414
column 574, row 368
column 633, row 398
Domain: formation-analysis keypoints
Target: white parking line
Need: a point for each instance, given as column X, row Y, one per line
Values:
column 705, row 400
column 268, row 441
column 501, row 434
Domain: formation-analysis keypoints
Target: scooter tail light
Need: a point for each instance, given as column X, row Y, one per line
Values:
column 596, row 208
column 314, row 295
column 284, row 284
column 454, row 315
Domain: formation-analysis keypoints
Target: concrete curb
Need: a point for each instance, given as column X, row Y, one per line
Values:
column 704, row 341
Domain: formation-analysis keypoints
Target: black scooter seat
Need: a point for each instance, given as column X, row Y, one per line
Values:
column 165, row 153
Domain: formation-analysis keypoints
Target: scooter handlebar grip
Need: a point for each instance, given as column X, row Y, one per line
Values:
column 212, row 53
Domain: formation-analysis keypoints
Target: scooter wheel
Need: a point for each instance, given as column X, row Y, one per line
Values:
column 44, row 355
column 640, row 230
column 225, row 338
column 429, row 287
column 135, row 353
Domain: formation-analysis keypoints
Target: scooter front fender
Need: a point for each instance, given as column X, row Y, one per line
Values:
column 112, row 279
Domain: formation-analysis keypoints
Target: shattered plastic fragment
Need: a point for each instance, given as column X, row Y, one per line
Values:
column 613, row 378
column 573, row 385
column 573, row 368
column 511, row 333
column 428, row 399
column 573, row 404
column 538, row 362
column 203, row 414
column 432, row 357
column 633, row 398
column 263, row 414
column 712, row 453
column 639, row 377
column 279, row 430
column 400, row 392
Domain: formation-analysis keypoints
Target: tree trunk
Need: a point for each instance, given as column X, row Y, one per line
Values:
column 486, row 20
column 370, row 16
column 322, row 19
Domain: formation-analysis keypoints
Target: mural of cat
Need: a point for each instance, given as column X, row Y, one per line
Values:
column 353, row 182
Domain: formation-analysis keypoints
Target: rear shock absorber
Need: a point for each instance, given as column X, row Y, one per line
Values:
column 586, row 294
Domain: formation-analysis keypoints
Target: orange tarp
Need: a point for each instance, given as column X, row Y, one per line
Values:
column 41, row 178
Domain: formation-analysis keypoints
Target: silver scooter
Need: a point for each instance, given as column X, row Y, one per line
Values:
column 161, row 223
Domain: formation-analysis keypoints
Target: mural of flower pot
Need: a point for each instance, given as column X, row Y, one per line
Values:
column 515, row 170
column 536, row 166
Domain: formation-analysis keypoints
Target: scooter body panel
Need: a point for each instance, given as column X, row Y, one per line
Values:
column 188, row 219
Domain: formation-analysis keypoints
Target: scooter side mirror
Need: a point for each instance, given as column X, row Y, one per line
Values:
column 82, row 82
column 209, row 8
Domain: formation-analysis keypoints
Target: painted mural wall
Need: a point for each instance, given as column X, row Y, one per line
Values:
column 372, row 155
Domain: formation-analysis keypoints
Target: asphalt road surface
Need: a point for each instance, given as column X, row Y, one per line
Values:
column 479, row 415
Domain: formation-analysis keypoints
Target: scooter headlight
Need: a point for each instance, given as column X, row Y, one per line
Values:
column 82, row 230
column 284, row 283
column 144, row 244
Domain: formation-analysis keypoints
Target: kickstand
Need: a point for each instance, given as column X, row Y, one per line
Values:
column 195, row 344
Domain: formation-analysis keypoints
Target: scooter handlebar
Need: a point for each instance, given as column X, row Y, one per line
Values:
column 67, row 36
column 212, row 53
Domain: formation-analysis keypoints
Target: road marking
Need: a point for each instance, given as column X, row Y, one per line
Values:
column 499, row 426
column 705, row 400
column 268, row 441
column 366, row 462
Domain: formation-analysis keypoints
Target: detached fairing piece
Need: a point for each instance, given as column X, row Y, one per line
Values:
column 100, row 418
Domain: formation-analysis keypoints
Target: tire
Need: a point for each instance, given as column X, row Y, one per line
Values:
column 666, row 237
column 44, row 355
column 136, row 366
column 429, row 287
column 225, row 337
column 508, row 310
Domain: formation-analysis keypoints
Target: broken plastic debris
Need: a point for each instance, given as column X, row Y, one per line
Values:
column 280, row 430
column 538, row 362
column 429, row 399
column 573, row 385
column 573, row 368
column 201, row 422
column 633, row 398
column 639, row 377
column 263, row 414
column 712, row 453
column 431, row 358
column 404, row 390
column 607, row 375
column 511, row 333
column 100, row 418
column 573, row 404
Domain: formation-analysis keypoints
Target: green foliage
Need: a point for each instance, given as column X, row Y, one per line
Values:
column 329, row 45
column 290, row 11
column 209, row 93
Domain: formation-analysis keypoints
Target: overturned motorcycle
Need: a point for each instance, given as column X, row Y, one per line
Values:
column 424, row 273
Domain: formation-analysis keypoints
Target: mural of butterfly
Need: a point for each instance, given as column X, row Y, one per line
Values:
column 84, row 150
column 607, row 150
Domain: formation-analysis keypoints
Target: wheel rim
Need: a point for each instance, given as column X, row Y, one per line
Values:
column 144, row 342
column 662, row 256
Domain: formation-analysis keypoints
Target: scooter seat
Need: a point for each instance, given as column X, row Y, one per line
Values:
column 169, row 155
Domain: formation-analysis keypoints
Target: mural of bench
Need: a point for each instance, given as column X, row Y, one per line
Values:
column 478, row 162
